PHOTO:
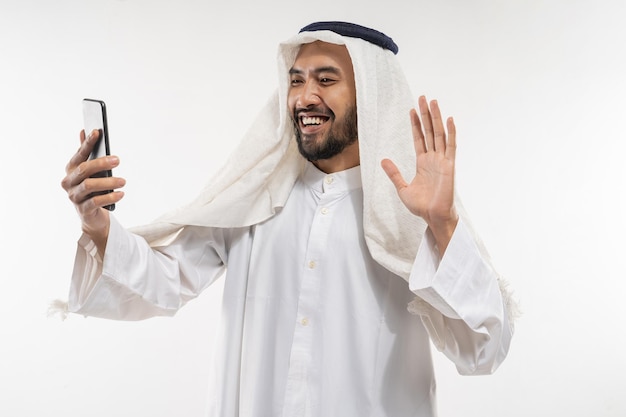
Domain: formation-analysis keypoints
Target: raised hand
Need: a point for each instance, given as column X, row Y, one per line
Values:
column 430, row 194
column 82, row 190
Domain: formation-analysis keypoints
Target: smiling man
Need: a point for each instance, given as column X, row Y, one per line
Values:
column 339, row 273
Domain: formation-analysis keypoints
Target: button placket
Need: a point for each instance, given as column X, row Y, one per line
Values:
column 307, row 329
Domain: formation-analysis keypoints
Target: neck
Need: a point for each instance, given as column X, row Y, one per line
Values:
column 348, row 158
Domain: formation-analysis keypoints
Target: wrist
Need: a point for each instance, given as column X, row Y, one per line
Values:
column 442, row 231
column 98, row 231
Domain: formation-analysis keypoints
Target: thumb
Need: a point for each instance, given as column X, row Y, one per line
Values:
column 393, row 173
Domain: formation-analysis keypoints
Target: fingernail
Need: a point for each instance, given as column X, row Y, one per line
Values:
column 113, row 160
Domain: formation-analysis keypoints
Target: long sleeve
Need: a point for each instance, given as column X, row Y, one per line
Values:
column 134, row 281
column 463, row 308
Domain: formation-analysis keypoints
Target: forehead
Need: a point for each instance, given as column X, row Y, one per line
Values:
column 320, row 53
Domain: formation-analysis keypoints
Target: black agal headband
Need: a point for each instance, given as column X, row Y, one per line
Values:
column 354, row 31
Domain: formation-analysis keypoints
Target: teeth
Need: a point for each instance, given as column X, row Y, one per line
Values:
column 311, row 121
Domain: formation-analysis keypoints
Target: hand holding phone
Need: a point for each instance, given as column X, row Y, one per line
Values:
column 95, row 118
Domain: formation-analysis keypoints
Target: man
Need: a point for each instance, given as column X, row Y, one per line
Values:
column 324, row 242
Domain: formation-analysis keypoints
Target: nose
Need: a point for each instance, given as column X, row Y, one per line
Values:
column 309, row 95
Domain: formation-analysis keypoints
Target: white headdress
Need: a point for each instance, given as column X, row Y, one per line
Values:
column 258, row 176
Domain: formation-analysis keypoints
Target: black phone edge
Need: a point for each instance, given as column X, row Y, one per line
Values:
column 104, row 136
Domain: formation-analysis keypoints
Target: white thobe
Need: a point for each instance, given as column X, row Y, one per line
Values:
column 311, row 324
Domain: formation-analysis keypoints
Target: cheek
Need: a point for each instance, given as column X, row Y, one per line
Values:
column 344, row 99
column 291, row 101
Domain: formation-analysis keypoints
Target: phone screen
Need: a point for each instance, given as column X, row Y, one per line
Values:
column 95, row 118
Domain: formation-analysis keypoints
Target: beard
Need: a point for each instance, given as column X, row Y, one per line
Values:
column 341, row 134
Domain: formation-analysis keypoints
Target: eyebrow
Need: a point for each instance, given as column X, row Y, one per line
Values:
column 330, row 69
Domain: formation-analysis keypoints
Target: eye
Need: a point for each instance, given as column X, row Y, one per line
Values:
column 326, row 80
column 295, row 81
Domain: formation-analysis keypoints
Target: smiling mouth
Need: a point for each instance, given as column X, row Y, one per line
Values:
column 307, row 121
column 312, row 121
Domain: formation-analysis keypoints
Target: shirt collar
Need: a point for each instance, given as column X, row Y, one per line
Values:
column 342, row 181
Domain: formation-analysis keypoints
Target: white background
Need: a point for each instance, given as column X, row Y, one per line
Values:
column 537, row 90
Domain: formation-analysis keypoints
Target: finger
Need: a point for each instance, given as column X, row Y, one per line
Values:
column 92, row 187
column 418, row 134
column 426, row 123
column 86, row 146
column 90, row 205
column 451, row 145
column 394, row 174
column 88, row 168
column 438, row 130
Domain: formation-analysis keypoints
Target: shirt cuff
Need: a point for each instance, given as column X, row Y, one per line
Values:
column 89, row 266
column 460, row 276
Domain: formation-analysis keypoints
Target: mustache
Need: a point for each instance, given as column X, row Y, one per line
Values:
column 318, row 110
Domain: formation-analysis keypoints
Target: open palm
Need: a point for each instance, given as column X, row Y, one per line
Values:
column 430, row 194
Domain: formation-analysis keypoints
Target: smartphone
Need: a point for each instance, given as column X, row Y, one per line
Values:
column 95, row 118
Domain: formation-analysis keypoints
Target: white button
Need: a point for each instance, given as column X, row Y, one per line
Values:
column 329, row 179
column 324, row 210
column 304, row 321
column 311, row 264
